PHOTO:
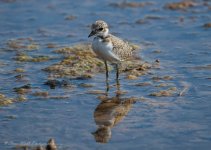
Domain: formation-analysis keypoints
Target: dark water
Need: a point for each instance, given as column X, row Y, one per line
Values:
column 174, row 122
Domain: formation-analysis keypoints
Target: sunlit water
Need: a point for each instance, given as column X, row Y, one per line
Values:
column 175, row 122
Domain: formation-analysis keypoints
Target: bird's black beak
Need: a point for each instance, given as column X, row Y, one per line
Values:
column 92, row 33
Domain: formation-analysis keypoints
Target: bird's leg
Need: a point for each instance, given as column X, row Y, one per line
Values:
column 107, row 87
column 117, row 81
column 107, row 83
column 118, row 91
column 117, row 72
column 106, row 67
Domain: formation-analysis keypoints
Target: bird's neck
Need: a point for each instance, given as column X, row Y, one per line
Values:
column 104, row 35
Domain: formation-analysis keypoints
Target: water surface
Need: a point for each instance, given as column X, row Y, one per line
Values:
column 182, row 46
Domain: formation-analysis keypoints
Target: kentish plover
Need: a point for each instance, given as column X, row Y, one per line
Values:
column 109, row 47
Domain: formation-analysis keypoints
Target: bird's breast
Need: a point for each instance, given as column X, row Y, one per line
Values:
column 103, row 49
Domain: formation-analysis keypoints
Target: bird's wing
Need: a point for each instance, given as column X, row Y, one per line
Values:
column 121, row 48
column 114, row 55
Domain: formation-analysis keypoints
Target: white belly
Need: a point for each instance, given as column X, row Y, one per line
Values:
column 104, row 50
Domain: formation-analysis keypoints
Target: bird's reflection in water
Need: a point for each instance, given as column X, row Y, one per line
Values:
column 110, row 112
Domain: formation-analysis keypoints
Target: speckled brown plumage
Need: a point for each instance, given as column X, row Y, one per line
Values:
column 121, row 48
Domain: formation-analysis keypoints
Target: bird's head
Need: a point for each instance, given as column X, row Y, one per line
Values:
column 99, row 28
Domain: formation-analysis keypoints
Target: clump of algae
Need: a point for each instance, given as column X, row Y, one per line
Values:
column 135, row 68
column 82, row 63
column 23, row 89
column 156, row 78
column 126, row 4
column 26, row 58
column 22, row 44
column 79, row 60
column 207, row 25
column 19, row 70
column 182, row 5
column 5, row 100
column 165, row 93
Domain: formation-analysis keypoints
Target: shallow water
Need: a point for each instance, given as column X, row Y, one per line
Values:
column 183, row 48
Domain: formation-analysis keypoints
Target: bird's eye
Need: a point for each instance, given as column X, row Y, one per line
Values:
column 100, row 29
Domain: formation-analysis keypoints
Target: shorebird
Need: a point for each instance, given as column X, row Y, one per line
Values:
column 109, row 47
